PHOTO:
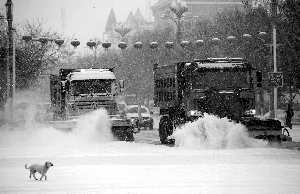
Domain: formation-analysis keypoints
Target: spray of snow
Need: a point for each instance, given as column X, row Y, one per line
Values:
column 95, row 126
column 27, row 130
column 211, row 132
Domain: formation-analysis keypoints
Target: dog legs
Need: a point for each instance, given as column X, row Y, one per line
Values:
column 34, row 176
column 32, row 172
column 43, row 176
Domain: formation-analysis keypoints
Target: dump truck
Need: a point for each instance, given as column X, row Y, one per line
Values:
column 225, row 87
column 76, row 92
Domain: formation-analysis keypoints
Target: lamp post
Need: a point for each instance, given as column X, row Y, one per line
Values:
column 138, row 46
column 178, row 7
column 93, row 45
column 10, row 58
column 122, row 29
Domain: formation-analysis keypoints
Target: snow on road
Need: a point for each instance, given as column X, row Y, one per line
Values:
column 87, row 160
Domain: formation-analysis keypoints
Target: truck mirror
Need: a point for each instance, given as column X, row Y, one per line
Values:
column 121, row 84
column 259, row 79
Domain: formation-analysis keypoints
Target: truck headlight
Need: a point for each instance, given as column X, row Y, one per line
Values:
column 194, row 113
column 251, row 112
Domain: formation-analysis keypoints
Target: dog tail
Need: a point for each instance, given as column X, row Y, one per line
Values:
column 26, row 166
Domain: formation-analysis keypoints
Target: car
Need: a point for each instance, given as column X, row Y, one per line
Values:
column 131, row 112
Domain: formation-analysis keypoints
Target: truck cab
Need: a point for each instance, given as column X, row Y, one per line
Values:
column 75, row 92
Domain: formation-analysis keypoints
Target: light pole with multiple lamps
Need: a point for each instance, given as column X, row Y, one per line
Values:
column 178, row 7
column 122, row 29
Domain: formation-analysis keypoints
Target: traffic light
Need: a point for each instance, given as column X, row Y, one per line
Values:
column 259, row 79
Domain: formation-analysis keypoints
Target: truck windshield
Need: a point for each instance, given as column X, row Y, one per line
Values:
column 91, row 86
column 220, row 79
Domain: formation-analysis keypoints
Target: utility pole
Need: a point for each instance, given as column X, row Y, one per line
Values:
column 10, row 59
column 274, row 16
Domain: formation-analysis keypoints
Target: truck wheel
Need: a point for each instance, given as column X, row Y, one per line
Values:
column 165, row 127
column 275, row 141
column 129, row 137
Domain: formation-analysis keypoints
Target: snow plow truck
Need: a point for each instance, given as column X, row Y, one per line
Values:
column 75, row 92
column 224, row 87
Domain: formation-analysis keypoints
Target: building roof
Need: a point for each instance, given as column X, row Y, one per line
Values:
column 130, row 20
column 138, row 17
column 111, row 22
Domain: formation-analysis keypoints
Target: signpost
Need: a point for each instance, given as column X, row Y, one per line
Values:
column 276, row 79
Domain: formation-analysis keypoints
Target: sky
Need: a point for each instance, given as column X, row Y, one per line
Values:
column 84, row 19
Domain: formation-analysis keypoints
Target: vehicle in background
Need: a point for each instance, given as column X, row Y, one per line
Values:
column 219, row 86
column 75, row 92
column 146, row 120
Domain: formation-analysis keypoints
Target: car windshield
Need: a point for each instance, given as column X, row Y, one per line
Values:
column 135, row 110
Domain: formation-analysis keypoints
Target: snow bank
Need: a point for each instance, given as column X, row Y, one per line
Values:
column 211, row 132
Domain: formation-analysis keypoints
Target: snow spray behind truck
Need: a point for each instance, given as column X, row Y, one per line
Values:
column 75, row 92
column 220, row 86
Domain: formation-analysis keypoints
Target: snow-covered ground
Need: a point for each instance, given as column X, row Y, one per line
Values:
column 87, row 160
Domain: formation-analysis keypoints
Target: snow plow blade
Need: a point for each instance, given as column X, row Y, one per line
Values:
column 122, row 129
column 65, row 125
column 268, row 129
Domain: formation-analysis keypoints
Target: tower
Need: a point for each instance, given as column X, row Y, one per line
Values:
column 148, row 11
column 109, row 34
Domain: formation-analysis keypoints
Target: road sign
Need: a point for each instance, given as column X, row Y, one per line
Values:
column 276, row 79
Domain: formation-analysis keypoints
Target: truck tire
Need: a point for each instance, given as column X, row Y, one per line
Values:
column 275, row 141
column 165, row 129
column 129, row 137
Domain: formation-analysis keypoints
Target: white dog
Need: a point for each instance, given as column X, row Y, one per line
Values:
column 42, row 169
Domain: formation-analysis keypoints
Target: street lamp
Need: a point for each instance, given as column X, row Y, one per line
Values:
column 43, row 40
column 122, row 45
column 75, row 43
column 178, row 7
column 106, row 45
column 169, row 45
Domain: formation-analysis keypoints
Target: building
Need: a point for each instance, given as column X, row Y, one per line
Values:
column 134, row 22
column 204, row 9
column 109, row 34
